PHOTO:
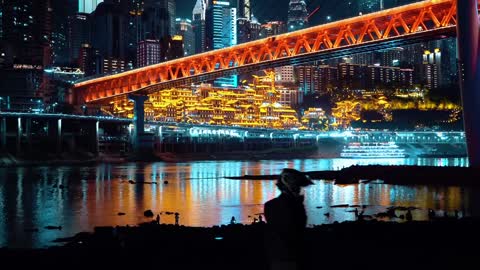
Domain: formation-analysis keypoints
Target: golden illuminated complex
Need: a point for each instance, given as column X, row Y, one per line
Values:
column 255, row 106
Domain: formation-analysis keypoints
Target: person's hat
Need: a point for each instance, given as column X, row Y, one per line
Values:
column 290, row 177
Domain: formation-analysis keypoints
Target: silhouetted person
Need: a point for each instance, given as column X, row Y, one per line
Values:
column 286, row 221
column 409, row 216
column 177, row 217
column 356, row 213
column 158, row 219
column 232, row 221
column 457, row 216
column 431, row 213
column 255, row 220
column 260, row 219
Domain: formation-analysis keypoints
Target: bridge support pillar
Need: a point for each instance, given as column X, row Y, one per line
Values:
column 18, row 141
column 59, row 136
column 96, row 137
column 28, row 133
column 468, row 38
column 3, row 133
column 142, row 142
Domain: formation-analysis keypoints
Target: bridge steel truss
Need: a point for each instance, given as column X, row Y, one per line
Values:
column 398, row 26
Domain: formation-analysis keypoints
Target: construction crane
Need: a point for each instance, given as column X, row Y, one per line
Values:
column 313, row 12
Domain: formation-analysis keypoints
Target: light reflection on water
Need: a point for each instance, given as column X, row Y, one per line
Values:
column 197, row 190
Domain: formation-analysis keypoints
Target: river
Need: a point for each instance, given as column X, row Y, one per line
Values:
column 91, row 196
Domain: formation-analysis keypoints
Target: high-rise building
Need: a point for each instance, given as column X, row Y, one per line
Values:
column 391, row 57
column 148, row 52
column 109, row 28
column 88, row 6
column 244, row 9
column 134, row 34
column 327, row 78
column 297, row 15
column 184, row 28
column 431, row 72
column 221, row 32
column 285, row 74
column 406, row 77
column 159, row 18
column 272, row 28
column 198, row 19
column 352, row 76
column 307, row 77
column 25, row 47
column 88, row 60
column 77, row 35
column 248, row 30
column 110, row 65
column 382, row 77
column 62, row 10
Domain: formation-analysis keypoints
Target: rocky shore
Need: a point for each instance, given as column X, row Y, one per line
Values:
column 439, row 244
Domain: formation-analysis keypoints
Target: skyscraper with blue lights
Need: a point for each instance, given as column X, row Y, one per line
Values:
column 221, row 32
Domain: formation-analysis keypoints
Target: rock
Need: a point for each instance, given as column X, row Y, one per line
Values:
column 61, row 186
column 339, row 205
column 148, row 213
column 165, row 182
column 121, row 214
column 318, row 207
column 131, row 181
column 53, row 227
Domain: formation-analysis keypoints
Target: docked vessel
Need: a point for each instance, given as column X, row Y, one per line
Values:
column 373, row 150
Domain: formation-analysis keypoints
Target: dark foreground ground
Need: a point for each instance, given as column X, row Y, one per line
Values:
column 441, row 244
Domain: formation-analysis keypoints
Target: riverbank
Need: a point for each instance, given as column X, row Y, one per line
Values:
column 439, row 244
column 85, row 158
column 398, row 175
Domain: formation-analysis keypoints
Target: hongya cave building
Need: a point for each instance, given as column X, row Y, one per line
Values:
column 255, row 107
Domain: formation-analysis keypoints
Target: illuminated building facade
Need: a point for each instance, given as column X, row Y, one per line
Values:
column 198, row 19
column 256, row 106
column 272, row 28
column 88, row 6
column 297, row 15
column 285, row 74
column 221, row 32
column 148, row 52
column 432, row 68
column 308, row 78
column 327, row 78
column 184, row 28
column 112, row 65
column 78, row 34
column 351, row 76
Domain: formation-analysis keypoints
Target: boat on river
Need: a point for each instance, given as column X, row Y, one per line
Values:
column 373, row 150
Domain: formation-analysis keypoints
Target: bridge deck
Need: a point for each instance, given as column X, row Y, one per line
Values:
column 393, row 27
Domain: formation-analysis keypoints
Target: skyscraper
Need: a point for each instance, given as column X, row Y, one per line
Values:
column 108, row 36
column 244, row 9
column 88, row 6
column 134, row 10
column 78, row 34
column 198, row 25
column 184, row 28
column 221, row 32
column 148, row 52
column 159, row 18
column 297, row 15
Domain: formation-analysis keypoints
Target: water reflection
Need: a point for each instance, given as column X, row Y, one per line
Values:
column 93, row 196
